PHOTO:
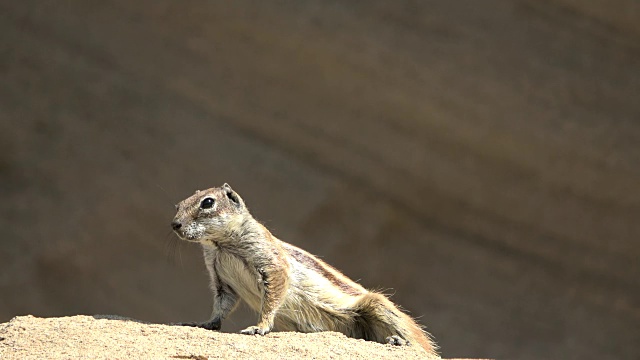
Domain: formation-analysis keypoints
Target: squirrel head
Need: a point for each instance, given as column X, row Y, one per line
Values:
column 209, row 215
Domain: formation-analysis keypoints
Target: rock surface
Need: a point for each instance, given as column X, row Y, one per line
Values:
column 114, row 337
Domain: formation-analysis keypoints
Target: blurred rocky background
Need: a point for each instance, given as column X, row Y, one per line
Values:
column 478, row 160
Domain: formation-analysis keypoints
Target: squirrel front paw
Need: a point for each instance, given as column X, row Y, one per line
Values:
column 209, row 325
column 255, row 330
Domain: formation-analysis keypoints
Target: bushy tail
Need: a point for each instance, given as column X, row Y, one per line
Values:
column 378, row 318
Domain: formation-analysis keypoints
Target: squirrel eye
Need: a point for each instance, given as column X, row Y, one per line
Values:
column 207, row 203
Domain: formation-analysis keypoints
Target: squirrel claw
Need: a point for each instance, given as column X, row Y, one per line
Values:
column 396, row 340
column 255, row 330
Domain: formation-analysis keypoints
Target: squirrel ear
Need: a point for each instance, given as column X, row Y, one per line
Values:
column 231, row 194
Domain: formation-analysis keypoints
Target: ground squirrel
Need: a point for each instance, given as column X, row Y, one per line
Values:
column 290, row 289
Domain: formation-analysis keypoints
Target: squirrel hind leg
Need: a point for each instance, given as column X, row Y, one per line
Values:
column 376, row 320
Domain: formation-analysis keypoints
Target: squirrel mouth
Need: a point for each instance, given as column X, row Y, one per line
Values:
column 180, row 235
column 186, row 237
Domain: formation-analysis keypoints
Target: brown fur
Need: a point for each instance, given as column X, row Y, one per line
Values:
column 290, row 289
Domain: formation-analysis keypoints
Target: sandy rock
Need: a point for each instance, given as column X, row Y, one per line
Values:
column 114, row 337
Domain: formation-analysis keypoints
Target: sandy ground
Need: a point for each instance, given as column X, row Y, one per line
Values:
column 114, row 337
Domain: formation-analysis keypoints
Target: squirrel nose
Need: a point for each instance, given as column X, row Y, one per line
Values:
column 176, row 225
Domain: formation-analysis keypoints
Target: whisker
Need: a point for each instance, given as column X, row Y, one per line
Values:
column 172, row 244
column 165, row 193
column 180, row 253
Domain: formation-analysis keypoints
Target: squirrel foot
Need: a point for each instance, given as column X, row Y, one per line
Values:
column 209, row 325
column 255, row 330
column 396, row 340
